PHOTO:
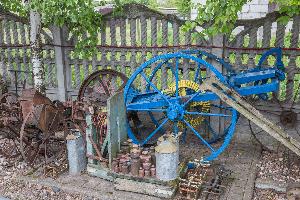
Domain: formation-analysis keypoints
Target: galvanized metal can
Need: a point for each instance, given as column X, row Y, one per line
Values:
column 76, row 153
column 166, row 154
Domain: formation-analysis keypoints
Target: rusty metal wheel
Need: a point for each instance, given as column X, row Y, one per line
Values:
column 102, row 84
column 37, row 146
column 95, row 90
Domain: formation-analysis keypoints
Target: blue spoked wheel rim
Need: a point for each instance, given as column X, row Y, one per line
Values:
column 151, row 97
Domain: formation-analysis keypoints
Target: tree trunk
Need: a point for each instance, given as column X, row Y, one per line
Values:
column 36, row 49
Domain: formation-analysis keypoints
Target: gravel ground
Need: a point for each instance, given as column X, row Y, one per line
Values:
column 12, row 188
column 280, row 168
column 267, row 195
column 283, row 167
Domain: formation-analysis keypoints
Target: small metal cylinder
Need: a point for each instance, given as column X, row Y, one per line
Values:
column 76, row 153
column 166, row 154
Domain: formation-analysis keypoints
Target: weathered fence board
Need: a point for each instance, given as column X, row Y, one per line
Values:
column 127, row 41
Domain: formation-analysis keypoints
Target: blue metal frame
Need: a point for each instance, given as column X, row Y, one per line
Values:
column 257, row 81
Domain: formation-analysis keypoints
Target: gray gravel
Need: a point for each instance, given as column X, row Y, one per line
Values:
column 268, row 195
column 277, row 169
column 13, row 188
column 282, row 167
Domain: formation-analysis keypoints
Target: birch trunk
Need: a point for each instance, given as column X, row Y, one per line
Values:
column 36, row 49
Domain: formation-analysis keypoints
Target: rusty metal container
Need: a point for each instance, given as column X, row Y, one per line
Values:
column 30, row 98
column 147, row 165
column 76, row 153
column 141, row 172
column 125, row 168
column 153, row 171
column 135, row 166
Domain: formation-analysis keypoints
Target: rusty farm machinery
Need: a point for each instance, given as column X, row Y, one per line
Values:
column 35, row 127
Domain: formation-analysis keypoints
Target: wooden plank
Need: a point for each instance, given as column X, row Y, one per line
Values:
column 77, row 74
column 116, row 124
column 90, row 132
column 252, row 44
column 238, row 55
column 7, row 29
column 103, row 61
column 132, row 23
column 25, row 59
column 187, row 41
column 123, row 43
column 217, row 124
column 144, row 188
column 280, row 32
column 266, row 34
column 164, row 74
column 291, row 68
column 99, row 171
column 144, row 44
column 3, row 70
column 113, row 43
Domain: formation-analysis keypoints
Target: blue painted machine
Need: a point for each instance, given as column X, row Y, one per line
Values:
column 169, row 92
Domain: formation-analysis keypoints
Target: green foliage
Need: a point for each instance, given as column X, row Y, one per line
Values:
column 150, row 3
column 78, row 15
column 219, row 16
column 184, row 7
column 288, row 7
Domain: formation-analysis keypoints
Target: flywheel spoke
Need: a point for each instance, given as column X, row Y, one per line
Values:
column 155, row 131
column 147, row 109
column 199, row 136
column 155, row 88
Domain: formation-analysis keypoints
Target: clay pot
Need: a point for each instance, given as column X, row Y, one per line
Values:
column 116, row 169
column 125, row 169
column 147, row 165
column 135, row 166
column 141, row 172
column 153, row 171
column 147, row 173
